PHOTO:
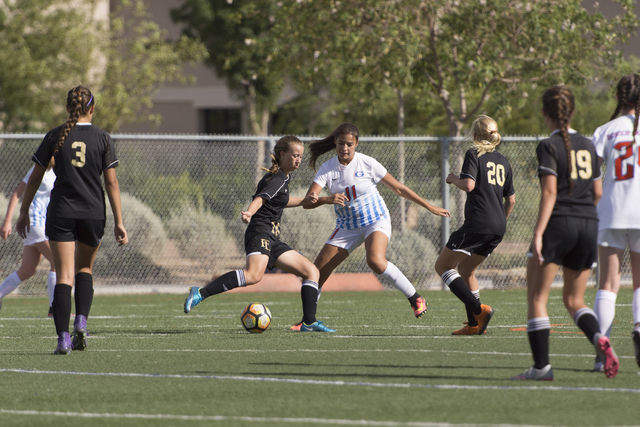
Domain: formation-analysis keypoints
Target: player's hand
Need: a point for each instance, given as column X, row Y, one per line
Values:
column 121, row 235
column 337, row 199
column 536, row 249
column 246, row 217
column 451, row 178
column 23, row 225
column 5, row 231
column 312, row 198
column 439, row 211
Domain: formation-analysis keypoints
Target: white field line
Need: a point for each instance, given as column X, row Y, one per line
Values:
column 323, row 382
column 257, row 420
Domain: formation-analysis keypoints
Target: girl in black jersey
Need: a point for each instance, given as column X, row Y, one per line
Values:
column 565, row 233
column 80, row 153
column 487, row 178
column 262, row 243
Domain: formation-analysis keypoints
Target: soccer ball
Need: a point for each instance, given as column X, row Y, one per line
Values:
column 256, row 318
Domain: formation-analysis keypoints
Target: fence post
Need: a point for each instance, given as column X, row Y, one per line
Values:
column 444, row 233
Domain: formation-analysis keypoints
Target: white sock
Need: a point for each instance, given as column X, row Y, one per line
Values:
column 10, row 284
column 399, row 280
column 605, row 309
column 51, row 284
column 635, row 306
column 319, row 292
column 476, row 294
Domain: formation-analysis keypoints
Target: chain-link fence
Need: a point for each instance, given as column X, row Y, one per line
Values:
column 182, row 196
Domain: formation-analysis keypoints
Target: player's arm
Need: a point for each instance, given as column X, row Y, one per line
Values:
column 5, row 231
column 509, row 203
column 403, row 191
column 22, row 225
column 312, row 200
column 549, row 193
column 465, row 184
column 113, row 192
column 597, row 191
column 252, row 209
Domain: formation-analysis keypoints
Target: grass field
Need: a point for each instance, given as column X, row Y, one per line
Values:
column 149, row 364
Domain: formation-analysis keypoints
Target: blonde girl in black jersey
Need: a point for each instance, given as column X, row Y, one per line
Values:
column 80, row 153
column 565, row 233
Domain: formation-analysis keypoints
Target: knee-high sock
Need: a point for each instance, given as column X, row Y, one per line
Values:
column 399, row 280
column 309, row 295
column 226, row 282
column 10, row 284
column 62, row 307
column 470, row 318
column 605, row 309
column 83, row 293
column 587, row 321
column 51, row 284
column 635, row 306
column 461, row 290
column 538, row 331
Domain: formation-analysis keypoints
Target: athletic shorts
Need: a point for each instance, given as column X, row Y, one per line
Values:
column 473, row 243
column 87, row 231
column 570, row 242
column 351, row 239
column 265, row 243
column 620, row 238
column 35, row 235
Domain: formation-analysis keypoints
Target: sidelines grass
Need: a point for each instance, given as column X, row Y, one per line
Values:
column 149, row 364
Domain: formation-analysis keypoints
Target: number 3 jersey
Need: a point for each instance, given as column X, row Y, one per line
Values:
column 357, row 181
column 552, row 160
column 85, row 153
column 618, row 207
column 484, row 209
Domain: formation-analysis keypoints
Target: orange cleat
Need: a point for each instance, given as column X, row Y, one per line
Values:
column 296, row 327
column 483, row 318
column 420, row 308
column 467, row 330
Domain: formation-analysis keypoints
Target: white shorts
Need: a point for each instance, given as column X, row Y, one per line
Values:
column 35, row 235
column 619, row 238
column 351, row 239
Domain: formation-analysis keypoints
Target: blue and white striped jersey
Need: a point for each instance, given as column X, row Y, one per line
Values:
column 38, row 208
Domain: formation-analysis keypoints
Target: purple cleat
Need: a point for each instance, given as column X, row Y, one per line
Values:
column 79, row 333
column 64, row 344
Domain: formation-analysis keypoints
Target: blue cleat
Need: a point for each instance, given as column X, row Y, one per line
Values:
column 193, row 299
column 64, row 344
column 317, row 326
column 79, row 335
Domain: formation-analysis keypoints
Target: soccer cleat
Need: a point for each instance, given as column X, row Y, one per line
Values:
column 420, row 308
column 79, row 334
column 544, row 374
column 193, row 299
column 64, row 344
column 296, row 327
column 467, row 330
column 50, row 313
column 636, row 345
column 483, row 318
column 605, row 352
column 317, row 326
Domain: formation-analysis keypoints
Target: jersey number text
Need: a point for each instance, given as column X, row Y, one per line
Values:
column 583, row 159
column 495, row 175
column 80, row 159
column 624, row 171
column 350, row 192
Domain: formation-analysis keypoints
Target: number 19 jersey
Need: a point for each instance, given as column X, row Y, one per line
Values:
column 357, row 181
column 618, row 207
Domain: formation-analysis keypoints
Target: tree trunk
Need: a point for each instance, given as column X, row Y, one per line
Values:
column 258, row 129
column 401, row 158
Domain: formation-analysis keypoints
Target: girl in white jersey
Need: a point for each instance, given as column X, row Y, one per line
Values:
column 617, row 144
column 361, row 214
column 36, row 244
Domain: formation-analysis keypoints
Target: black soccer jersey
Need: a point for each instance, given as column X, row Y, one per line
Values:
column 552, row 160
column 274, row 189
column 484, row 209
column 77, row 192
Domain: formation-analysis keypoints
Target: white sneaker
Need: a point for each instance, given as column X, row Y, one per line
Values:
column 544, row 374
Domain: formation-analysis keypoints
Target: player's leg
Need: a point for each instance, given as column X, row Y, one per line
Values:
column 30, row 260
column 45, row 250
column 63, row 259
column 605, row 302
column 467, row 269
column 635, row 302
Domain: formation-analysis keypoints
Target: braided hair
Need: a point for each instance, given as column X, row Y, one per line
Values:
column 484, row 135
column 628, row 93
column 558, row 104
column 79, row 102
column 321, row 146
column 283, row 144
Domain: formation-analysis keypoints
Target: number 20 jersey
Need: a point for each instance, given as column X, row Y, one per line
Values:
column 618, row 207
column 357, row 181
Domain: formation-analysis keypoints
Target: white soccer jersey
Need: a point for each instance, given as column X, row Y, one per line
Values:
column 618, row 207
column 357, row 181
column 38, row 208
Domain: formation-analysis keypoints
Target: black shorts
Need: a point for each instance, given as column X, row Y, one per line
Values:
column 571, row 242
column 87, row 231
column 266, row 244
column 473, row 243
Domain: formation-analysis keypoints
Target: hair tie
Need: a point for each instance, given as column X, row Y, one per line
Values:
column 89, row 103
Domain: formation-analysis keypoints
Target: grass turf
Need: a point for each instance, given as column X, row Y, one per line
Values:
column 149, row 364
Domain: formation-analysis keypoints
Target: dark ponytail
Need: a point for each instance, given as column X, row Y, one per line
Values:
column 79, row 102
column 321, row 146
column 628, row 93
column 558, row 104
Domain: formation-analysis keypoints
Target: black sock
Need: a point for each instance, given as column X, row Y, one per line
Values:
column 83, row 293
column 224, row 283
column 471, row 320
column 309, row 294
column 61, row 307
column 413, row 299
column 462, row 291
column 539, row 341
column 589, row 325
